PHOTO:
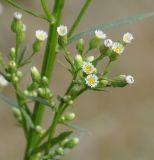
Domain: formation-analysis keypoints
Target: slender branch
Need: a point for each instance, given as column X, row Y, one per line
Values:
column 78, row 19
column 16, row 5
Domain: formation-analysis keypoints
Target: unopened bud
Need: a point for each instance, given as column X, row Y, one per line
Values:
column 40, row 130
column 90, row 58
column 80, row 46
column 78, row 61
column 35, row 74
column 72, row 143
column 119, row 81
column 59, row 151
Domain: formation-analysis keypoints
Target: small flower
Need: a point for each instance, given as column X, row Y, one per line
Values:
column 117, row 47
column 41, row 35
column 129, row 79
column 100, row 34
column 92, row 80
column 3, row 81
column 62, row 30
column 128, row 37
column 18, row 15
column 88, row 68
column 108, row 43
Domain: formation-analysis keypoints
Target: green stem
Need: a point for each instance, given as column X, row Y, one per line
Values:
column 106, row 70
column 78, row 19
column 48, row 64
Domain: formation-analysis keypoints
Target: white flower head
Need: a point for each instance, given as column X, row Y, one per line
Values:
column 108, row 43
column 41, row 35
column 117, row 47
column 129, row 79
column 18, row 15
column 3, row 81
column 128, row 37
column 100, row 34
column 92, row 80
column 62, row 30
column 88, row 68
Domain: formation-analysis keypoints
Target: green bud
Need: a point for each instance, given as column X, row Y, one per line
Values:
column 59, row 151
column 71, row 102
column 12, row 66
column 16, row 25
column 66, row 98
column 36, row 77
column 26, row 92
column 104, row 82
column 80, row 46
column 19, row 74
column 17, row 114
column 13, row 54
column 103, row 50
column 37, row 45
column 72, row 143
column 90, row 58
column 62, row 40
column 119, row 81
column 45, row 81
column 64, row 142
column 15, row 79
column 78, row 61
column 94, row 43
column 68, row 117
column 40, row 130
column 41, row 92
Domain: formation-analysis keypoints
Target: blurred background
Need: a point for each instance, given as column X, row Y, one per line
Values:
column 120, row 122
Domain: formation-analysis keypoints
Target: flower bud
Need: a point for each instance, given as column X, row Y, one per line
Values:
column 17, row 24
column 80, row 46
column 13, row 54
column 36, row 77
column 94, row 43
column 68, row 117
column 104, row 82
column 59, row 151
column 78, row 61
column 21, row 35
column 72, row 143
column 45, row 81
column 12, row 66
column 119, row 81
column 37, row 45
column 40, row 130
column 90, row 58
column 17, row 114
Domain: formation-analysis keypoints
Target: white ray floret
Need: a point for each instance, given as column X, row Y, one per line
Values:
column 117, row 47
column 3, row 81
column 129, row 79
column 128, row 37
column 41, row 35
column 92, row 80
column 18, row 15
column 100, row 34
column 108, row 43
column 62, row 30
column 88, row 68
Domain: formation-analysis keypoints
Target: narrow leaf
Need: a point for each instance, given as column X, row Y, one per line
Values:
column 8, row 100
column 110, row 25
column 16, row 5
column 76, row 127
column 21, row 55
column 40, row 100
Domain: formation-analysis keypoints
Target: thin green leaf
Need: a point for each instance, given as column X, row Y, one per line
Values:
column 8, row 100
column 54, row 141
column 16, row 5
column 75, row 127
column 40, row 100
column 110, row 25
column 28, row 118
column 21, row 55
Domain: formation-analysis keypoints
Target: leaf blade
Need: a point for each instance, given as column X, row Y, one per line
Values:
column 111, row 24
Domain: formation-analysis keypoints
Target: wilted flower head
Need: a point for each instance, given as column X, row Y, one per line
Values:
column 41, row 35
column 108, row 43
column 18, row 15
column 92, row 80
column 128, row 37
column 88, row 68
column 62, row 30
column 100, row 34
column 129, row 79
column 3, row 81
column 117, row 47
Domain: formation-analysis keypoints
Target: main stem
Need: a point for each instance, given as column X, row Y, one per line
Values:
column 47, row 68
